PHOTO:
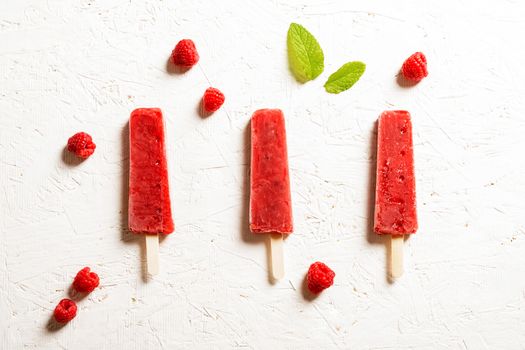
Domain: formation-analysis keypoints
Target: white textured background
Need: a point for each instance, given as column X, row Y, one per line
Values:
column 67, row 66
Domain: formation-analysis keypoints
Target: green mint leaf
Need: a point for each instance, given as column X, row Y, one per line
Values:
column 304, row 54
column 345, row 77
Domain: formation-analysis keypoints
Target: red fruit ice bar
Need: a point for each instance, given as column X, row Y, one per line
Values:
column 395, row 209
column 270, row 198
column 149, row 195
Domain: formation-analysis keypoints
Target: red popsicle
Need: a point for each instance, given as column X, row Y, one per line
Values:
column 149, row 206
column 149, row 195
column 270, row 198
column 395, row 209
column 395, row 206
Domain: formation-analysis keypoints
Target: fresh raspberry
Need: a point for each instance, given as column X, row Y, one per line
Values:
column 319, row 277
column 185, row 53
column 415, row 67
column 65, row 311
column 86, row 281
column 81, row 144
column 212, row 99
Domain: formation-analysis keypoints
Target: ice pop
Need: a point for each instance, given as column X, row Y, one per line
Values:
column 149, row 207
column 395, row 205
column 270, row 198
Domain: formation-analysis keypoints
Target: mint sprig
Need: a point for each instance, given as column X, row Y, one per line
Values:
column 305, row 55
column 345, row 77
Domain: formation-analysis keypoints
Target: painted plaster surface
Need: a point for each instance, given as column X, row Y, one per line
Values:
column 84, row 65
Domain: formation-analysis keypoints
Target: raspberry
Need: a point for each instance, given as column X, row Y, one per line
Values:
column 212, row 99
column 319, row 277
column 65, row 311
column 185, row 53
column 81, row 144
column 415, row 67
column 86, row 281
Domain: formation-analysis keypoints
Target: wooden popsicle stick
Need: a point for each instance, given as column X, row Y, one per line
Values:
column 276, row 254
column 396, row 255
column 152, row 253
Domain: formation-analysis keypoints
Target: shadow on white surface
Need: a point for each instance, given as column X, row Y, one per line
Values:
column 173, row 69
column 372, row 237
column 403, row 82
column 126, row 236
column 246, row 235
column 307, row 295
column 201, row 111
column 74, row 295
column 54, row 326
column 70, row 159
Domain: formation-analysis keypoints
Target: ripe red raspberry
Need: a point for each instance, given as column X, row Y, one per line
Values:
column 185, row 53
column 415, row 67
column 65, row 311
column 86, row 281
column 319, row 277
column 212, row 99
column 81, row 144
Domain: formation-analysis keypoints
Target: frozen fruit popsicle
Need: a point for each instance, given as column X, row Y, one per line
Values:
column 395, row 206
column 149, row 198
column 270, row 198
